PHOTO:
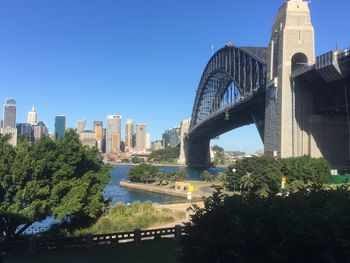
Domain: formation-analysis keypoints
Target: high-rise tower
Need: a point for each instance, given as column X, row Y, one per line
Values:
column 81, row 126
column 9, row 114
column 98, row 130
column 60, row 126
column 113, row 131
column 33, row 117
column 141, row 131
column 129, row 134
column 291, row 47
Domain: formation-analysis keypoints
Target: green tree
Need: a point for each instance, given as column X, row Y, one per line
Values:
column 219, row 155
column 207, row 176
column 143, row 173
column 167, row 155
column 63, row 179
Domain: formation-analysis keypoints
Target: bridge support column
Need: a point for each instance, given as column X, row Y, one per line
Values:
column 198, row 153
column 291, row 48
column 184, row 127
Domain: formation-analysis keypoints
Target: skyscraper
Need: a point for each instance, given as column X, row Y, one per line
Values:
column 113, row 130
column 24, row 130
column 39, row 130
column 98, row 130
column 33, row 117
column 81, row 126
column 60, row 126
column 9, row 115
column 141, row 132
column 129, row 134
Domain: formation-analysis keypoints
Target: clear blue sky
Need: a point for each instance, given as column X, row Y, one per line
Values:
column 139, row 58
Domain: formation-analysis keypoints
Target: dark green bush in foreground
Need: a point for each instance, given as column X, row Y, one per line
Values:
column 307, row 226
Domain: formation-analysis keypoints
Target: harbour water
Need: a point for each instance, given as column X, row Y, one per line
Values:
column 115, row 193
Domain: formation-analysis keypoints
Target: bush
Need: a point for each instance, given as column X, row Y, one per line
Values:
column 262, row 175
column 306, row 226
column 306, row 169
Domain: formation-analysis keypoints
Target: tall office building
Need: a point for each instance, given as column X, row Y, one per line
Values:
column 60, row 126
column 24, row 130
column 81, row 126
column 141, row 131
column 33, row 117
column 9, row 115
column 98, row 130
column 39, row 131
column 113, row 130
column 129, row 135
column 171, row 138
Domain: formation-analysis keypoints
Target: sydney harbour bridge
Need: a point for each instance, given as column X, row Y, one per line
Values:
column 299, row 103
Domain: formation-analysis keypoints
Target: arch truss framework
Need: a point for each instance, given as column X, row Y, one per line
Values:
column 232, row 74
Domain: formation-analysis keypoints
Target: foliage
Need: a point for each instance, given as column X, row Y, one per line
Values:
column 123, row 217
column 136, row 160
column 63, row 179
column 306, row 226
column 262, row 175
column 219, row 155
column 207, row 176
column 167, row 155
column 258, row 174
column 306, row 169
column 143, row 173
column 147, row 173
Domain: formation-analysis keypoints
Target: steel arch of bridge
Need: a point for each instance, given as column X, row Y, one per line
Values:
column 232, row 74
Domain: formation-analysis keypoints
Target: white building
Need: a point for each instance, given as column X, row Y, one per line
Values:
column 33, row 118
column 81, row 126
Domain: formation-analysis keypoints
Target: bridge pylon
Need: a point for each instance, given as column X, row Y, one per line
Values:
column 286, row 112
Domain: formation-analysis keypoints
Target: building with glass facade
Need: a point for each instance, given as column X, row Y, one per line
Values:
column 60, row 126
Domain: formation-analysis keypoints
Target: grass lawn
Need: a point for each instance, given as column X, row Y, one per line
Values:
column 166, row 250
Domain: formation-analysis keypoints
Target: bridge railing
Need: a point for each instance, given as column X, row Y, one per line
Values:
column 35, row 244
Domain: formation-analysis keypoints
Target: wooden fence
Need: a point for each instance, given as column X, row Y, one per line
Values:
column 35, row 244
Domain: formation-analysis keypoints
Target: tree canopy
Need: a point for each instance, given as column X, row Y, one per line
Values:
column 63, row 179
column 263, row 175
column 167, row 155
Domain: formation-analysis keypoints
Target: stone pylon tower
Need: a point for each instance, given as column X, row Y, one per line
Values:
column 291, row 47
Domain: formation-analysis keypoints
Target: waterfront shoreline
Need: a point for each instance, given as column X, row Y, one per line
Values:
column 157, row 190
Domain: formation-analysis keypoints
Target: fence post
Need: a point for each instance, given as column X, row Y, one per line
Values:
column 137, row 237
column 178, row 232
column 32, row 245
column 89, row 240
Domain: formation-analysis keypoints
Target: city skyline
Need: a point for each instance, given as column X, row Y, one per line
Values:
column 89, row 60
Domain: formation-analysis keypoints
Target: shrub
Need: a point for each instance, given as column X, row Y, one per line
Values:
column 306, row 226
